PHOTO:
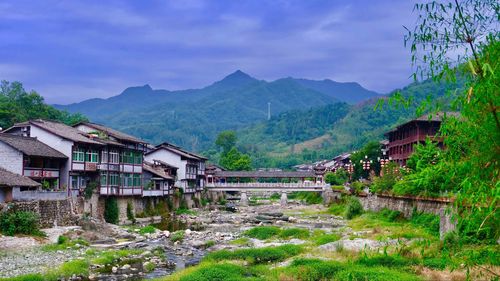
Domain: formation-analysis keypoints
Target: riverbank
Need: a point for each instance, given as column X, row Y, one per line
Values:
column 265, row 242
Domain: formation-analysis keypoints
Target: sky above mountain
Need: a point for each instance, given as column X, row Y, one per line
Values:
column 74, row 50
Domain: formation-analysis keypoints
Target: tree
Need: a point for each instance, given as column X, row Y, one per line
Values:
column 235, row 161
column 461, row 38
column 17, row 105
column 372, row 151
column 226, row 140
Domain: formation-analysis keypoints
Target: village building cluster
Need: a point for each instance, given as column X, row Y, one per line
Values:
column 47, row 160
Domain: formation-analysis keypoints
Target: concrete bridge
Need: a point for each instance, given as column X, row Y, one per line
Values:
column 266, row 181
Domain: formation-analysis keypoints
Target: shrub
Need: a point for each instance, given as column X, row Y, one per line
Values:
column 19, row 222
column 111, row 213
column 257, row 255
column 427, row 221
column 62, row 239
column 353, row 208
column 177, row 236
column 262, row 232
column 130, row 212
column 209, row 243
column 299, row 233
column 216, row 272
column 390, row 215
column 89, row 190
column 308, row 197
column 338, row 178
column 386, row 181
column 147, row 229
column 275, row 196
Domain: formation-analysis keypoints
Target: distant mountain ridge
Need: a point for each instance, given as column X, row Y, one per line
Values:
column 192, row 118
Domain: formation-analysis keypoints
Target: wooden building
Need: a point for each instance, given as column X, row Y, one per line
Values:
column 404, row 137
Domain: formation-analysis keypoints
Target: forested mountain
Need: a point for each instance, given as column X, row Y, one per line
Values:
column 17, row 105
column 271, row 145
column 193, row 118
column 350, row 92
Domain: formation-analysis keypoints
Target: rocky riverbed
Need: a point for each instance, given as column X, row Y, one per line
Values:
column 159, row 253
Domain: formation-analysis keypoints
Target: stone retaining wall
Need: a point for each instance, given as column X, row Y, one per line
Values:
column 406, row 205
column 51, row 212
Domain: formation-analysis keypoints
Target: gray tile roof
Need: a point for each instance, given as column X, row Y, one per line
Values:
column 64, row 131
column 10, row 179
column 148, row 167
column 179, row 151
column 30, row 146
column 112, row 132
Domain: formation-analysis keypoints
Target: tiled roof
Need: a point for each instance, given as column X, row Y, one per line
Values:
column 431, row 117
column 156, row 171
column 179, row 151
column 30, row 146
column 10, row 179
column 112, row 132
column 63, row 130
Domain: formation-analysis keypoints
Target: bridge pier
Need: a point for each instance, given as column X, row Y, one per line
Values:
column 284, row 199
column 243, row 198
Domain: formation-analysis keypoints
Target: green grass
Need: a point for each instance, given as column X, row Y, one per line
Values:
column 110, row 257
column 147, row 230
column 243, row 241
column 215, row 272
column 326, row 238
column 298, row 233
column 262, row 232
column 177, row 236
column 318, row 270
column 308, row 197
column 337, row 209
column 67, row 269
column 257, row 255
column 209, row 243
column 63, row 243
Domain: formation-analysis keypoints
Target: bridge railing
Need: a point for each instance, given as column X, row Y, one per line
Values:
column 266, row 185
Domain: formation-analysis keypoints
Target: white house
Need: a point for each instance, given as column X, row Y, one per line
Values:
column 191, row 167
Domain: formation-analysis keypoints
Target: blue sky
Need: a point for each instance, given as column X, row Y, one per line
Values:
column 73, row 50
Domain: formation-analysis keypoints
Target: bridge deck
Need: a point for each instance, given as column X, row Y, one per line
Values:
column 260, row 186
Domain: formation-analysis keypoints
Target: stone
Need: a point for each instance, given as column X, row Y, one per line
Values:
column 114, row 269
column 166, row 233
column 187, row 231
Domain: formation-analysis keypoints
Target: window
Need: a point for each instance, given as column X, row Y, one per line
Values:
column 104, row 156
column 74, row 182
column 104, row 178
column 113, row 179
column 114, row 156
column 79, row 154
column 128, row 157
column 138, row 158
column 127, row 180
column 137, row 179
column 92, row 156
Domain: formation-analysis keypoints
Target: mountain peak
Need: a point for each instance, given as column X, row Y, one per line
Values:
column 235, row 80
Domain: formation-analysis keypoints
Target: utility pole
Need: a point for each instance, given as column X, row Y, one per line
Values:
column 268, row 111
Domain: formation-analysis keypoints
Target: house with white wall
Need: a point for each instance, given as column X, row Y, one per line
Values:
column 191, row 167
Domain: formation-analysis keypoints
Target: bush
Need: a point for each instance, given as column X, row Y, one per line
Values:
column 275, row 196
column 353, row 208
column 262, row 232
column 386, row 260
column 177, row 236
column 216, row 272
column 313, row 269
column 257, row 255
column 62, row 239
column 308, row 197
column 111, row 212
column 19, row 222
column 338, row 178
column 147, row 229
column 427, row 221
column 379, row 273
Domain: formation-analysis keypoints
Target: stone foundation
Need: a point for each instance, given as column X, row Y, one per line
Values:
column 52, row 212
column 406, row 205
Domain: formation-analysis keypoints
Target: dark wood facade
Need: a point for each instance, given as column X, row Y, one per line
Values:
column 403, row 139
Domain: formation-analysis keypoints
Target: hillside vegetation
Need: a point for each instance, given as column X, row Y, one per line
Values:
column 193, row 118
column 17, row 105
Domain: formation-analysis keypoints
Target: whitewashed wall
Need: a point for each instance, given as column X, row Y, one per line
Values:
column 11, row 159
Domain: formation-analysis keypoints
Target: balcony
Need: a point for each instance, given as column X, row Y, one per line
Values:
column 154, row 192
column 109, row 167
column 30, row 195
column 40, row 172
column 120, row 191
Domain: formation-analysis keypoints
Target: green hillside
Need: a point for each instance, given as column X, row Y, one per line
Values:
column 273, row 146
column 193, row 118
column 17, row 105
